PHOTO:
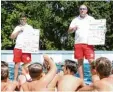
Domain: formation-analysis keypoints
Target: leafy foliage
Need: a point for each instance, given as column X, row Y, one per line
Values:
column 53, row 19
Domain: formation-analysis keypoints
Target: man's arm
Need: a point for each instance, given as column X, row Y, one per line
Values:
column 11, row 86
column 72, row 29
column 15, row 33
column 24, row 87
column 87, row 88
column 21, row 79
column 81, row 83
column 92, row 87
column 52, row 71
column 54, row 82
column 21, row 89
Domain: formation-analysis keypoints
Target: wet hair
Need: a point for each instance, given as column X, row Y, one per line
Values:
column 103, row 66
column 3, row 63
column 4, row 70
column 35, row 70
column 71, row 65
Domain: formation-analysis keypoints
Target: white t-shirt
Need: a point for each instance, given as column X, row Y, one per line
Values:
column 19, row 40
column 81, row 34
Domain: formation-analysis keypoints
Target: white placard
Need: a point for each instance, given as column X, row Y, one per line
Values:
column 97, row 30
column 31, row 42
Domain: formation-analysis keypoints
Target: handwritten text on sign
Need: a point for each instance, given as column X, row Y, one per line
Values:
column 97, row 30
column 31, row 42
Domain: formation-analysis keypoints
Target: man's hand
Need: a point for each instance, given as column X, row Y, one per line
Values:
column 75, row 28
column 21, row 30
column 46, row 65
column 46, row 61
column 46, row 58
column 14, row 35
column 72, row 29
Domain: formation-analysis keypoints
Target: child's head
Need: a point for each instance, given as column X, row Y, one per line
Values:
column 4, row 70
column 35, row 70
column 103, row 66
column 70, row 66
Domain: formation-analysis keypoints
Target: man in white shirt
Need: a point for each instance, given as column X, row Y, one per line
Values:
column 19, row 33
column 80, row 25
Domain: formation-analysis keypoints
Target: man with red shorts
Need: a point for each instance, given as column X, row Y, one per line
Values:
column 19, row 33
column 80, row 25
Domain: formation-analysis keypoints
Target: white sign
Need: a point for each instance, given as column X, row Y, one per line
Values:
column 97, row 30
column 31, row 42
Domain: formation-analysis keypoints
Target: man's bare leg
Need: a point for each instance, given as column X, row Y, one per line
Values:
column 80, row 68
column 16, row 67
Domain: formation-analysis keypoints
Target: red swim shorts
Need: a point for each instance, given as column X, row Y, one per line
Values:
column 84, row 50
column 21, row 57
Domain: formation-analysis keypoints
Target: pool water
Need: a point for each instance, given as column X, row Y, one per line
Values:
column 87, row 74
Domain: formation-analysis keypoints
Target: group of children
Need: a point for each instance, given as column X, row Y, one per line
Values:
column 44, row 77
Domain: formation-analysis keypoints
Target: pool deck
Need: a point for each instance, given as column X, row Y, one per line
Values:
column 57, row 55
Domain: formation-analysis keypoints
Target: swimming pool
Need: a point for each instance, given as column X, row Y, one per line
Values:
column 87, row 74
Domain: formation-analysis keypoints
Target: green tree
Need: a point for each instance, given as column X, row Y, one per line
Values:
column 53, row 19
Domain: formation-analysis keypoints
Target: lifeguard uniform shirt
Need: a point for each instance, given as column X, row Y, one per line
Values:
column 19, row 40
column 81, row 34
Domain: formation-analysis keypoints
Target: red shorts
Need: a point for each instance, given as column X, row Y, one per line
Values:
column 83, row 50
column 21, row 57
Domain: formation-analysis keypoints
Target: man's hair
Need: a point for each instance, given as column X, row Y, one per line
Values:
column 4, row 70
column 71, row 65
column 23, row 15
column 103, row 66
column 84, row 6
column 35, row 70
column 3, row 63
